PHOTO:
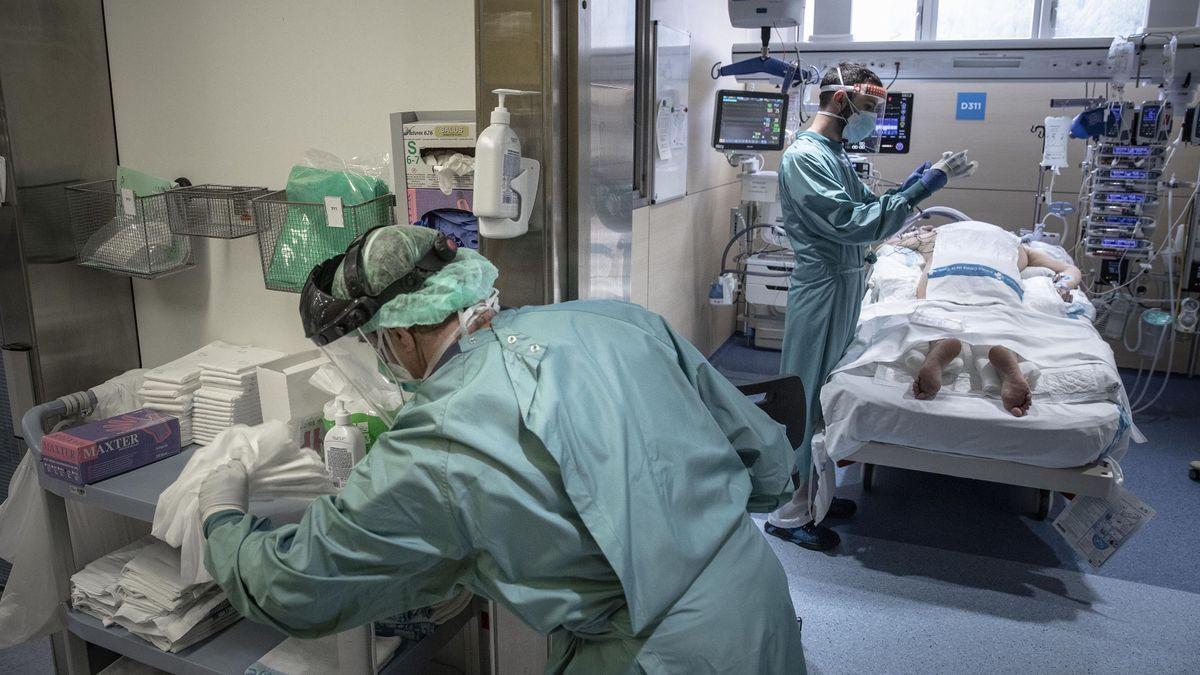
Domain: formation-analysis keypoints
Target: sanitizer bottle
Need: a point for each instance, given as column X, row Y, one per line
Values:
column 497, row 164
column 344, row 447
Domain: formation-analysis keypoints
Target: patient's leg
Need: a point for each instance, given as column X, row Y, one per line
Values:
column 929, row 378
column 1014, row 393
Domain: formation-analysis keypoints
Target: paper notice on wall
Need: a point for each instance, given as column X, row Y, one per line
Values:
column 1096, row 527
column 679, row 129
column 1058, row 133
column 664, row 127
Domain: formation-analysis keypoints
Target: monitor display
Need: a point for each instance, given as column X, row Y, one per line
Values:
column 1124, row 198
column 749, row 120
column 1132, row 174
column 895, row 127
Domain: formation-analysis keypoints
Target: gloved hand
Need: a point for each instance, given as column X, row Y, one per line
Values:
column 956, row 164
column 914, row 176
column 226, row 488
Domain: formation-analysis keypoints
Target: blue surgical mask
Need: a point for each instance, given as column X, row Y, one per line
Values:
column 859, row 124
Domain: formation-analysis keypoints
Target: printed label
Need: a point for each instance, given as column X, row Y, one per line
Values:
column 128, row 202
column 333, row 212
column 512, row 168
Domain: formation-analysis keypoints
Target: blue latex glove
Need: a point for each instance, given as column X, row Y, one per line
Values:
column 934, row 180
column 914, row 176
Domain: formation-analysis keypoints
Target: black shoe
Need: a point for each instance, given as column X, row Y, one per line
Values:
column 810, row 536
column 841, row 508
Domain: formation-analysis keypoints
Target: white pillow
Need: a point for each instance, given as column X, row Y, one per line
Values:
column 975, row 263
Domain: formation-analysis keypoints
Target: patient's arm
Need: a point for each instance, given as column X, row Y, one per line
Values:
column 1069, row 274
column 920, row 240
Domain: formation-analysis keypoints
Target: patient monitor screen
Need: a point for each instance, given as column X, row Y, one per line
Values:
column 749, row 120
column 894, row 127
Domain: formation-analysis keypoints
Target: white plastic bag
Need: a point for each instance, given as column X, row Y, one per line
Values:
column 31, row 605
column 284, row 479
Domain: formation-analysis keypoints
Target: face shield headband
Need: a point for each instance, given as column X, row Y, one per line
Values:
column 326, row 318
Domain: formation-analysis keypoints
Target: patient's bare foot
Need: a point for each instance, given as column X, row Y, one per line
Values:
column 1015, row 392
column 928, row 381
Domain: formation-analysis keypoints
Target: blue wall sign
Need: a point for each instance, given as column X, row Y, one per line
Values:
column 971, row 105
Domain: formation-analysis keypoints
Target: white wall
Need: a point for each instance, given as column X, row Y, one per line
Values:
column 229, row 91
column 677, row 245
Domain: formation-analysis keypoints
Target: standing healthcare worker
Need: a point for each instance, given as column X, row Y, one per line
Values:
column 832, row 219
column 580, row 464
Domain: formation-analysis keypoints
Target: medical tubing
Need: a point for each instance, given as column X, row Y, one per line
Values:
column 725, row 256
column 1166, row 379
column 1125, row 330
column 1153, row 365
column 1171, row 351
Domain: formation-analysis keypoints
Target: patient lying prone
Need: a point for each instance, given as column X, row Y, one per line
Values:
column 981, row 257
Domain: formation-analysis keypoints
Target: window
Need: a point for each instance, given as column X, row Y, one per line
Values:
column 1098, row 18
column 911, row 20
column 883, row 20
column 984, row 19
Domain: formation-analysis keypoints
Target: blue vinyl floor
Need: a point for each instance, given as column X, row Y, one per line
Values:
column 942, row 574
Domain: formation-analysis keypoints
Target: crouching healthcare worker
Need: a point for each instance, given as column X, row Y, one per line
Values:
column 832, row 219
column 580, row 464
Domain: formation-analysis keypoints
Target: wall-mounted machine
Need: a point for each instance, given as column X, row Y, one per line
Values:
column 766, row 15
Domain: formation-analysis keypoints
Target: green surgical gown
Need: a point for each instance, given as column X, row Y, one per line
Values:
column 832, row 220
column 582, row 465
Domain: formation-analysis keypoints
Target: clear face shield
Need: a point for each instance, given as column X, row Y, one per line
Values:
column 866, row 105
column 366, row 362
column 366, row 359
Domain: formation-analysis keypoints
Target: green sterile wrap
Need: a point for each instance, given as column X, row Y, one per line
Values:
column 141, row 243
column 142, row 184
column 306, row 239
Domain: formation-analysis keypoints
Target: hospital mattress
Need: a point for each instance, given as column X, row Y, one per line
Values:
column 860, row 409
column 1079, row 412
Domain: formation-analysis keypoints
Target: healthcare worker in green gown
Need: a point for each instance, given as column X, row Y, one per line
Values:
column 832, row 219
column 580, row 464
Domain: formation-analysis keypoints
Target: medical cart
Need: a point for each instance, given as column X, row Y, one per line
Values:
column 135, row 494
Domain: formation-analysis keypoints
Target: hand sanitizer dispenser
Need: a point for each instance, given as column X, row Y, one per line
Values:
column 506, row 183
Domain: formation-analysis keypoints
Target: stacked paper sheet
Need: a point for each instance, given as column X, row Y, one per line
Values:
column 228, row 392
column 141, row 589
column 94, row 588
column 174, row 399
column 173, row 388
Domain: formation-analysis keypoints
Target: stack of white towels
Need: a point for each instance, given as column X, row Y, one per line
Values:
column 228, row 395
column 209, row 390
column 141, row 589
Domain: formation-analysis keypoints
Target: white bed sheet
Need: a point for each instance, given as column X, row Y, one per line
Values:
column 1052, row 435
column 868, row 398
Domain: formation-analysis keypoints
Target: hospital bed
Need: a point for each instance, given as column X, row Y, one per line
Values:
column 1077, row 429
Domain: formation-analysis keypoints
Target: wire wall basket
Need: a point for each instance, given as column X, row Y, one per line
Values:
column 117, row 231
column 295, row 237
column 216, row 211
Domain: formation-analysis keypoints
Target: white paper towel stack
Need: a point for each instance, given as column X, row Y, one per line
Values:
column 175, row 388
column 228, row 392
column 142, row 589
